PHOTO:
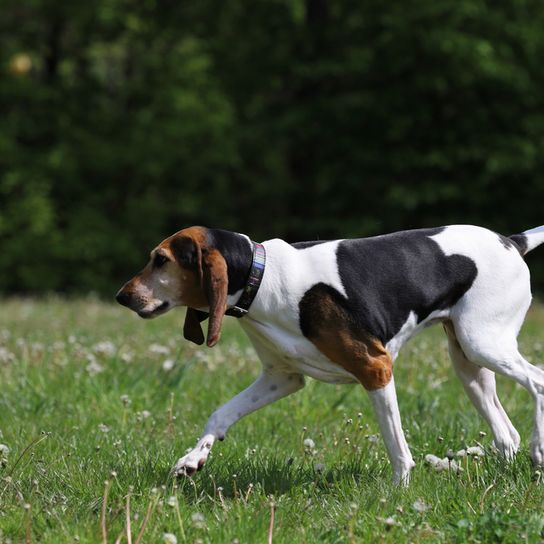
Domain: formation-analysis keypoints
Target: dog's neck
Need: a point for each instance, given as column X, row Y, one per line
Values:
column 237, row 250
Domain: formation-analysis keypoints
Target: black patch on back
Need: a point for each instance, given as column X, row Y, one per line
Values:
column 238, row 254
column 520, row 242
column 387, row 277
column 304, row 245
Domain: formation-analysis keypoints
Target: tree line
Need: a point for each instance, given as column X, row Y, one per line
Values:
column 123, row 121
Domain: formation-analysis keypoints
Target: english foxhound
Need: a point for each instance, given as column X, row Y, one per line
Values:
column 339, row 311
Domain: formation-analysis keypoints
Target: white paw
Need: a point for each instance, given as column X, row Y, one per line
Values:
column 401, row 473
column 194, row 460
column 506, row 448
column 537, row 454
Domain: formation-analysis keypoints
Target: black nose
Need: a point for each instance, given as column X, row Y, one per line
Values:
column 123, row 298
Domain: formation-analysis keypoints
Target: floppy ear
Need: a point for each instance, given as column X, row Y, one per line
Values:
column 215, row 283
column 191, row 329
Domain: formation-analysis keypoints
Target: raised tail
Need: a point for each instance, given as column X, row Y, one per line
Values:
column 529, row 239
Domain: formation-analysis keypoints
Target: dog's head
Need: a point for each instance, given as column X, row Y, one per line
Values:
column 183, row 270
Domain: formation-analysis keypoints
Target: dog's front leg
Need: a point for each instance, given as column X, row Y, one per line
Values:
column 386, row 408
column 269, row 387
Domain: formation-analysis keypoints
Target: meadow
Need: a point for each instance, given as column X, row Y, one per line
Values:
column 96, row 405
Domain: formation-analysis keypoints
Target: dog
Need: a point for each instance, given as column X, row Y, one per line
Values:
column 339, row 311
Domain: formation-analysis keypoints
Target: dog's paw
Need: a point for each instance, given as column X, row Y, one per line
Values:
column 537, row 454
column 188, row 465
column 194, row 460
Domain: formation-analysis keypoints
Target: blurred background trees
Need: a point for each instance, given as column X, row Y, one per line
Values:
column 123, row 121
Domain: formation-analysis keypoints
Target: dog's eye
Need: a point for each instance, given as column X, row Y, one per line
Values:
column 159, row 260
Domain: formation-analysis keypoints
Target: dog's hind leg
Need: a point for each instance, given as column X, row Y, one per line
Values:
column 479, row 384
column 497, row 351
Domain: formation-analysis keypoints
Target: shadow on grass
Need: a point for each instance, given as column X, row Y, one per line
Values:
column 276, row 476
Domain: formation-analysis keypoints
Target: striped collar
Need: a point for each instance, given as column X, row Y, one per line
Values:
column 253, row 283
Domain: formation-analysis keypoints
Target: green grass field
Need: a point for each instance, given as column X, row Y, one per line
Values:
column 90, row 393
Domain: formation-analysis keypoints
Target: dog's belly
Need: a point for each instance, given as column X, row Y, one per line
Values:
column 290, row 352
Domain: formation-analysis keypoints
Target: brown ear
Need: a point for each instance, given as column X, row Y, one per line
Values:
column 215, row 281
column 191, row 329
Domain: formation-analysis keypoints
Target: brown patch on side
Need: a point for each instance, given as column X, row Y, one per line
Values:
column 329, row 327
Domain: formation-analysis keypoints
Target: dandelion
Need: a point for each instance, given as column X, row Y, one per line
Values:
column 172, row 501
column 442, row 464
column 6, row 356
column 125, row 399
column 169, row 538
column 168, row 365
column 105, row 348
column 476, row 451
column 390, row 522
column 198, row 520
column 420, row 506
column 4, row 450
column 319, row 467
column 93, row 368
column 158, row 349
column 103, row 428
column 127, row 357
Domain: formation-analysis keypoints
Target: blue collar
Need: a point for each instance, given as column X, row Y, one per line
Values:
column 253, row 283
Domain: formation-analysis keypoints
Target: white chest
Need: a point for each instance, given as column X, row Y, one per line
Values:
column 290, row 352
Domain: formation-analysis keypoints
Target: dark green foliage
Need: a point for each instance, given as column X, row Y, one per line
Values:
column 302, row 119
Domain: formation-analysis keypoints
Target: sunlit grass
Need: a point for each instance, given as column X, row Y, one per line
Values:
column 90, row 393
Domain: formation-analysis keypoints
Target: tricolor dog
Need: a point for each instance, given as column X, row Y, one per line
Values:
column 339, row 311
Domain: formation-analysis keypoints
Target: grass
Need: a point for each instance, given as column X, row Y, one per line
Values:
column 90, row 393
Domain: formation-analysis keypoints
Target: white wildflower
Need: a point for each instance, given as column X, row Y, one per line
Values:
column 145, row 414
column 127, row 357
column 198, row 520
column 104, row 428
column 158, row 349
column 4, row 450
column 168, row 365
column 475, row 450
column 105, row 348
column 170, row 538
column 420, row 506
column 442, row 464
column 94, row 368
column 6, row 356
column 172, row 500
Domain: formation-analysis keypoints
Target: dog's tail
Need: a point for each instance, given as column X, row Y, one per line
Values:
column 529, row 239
